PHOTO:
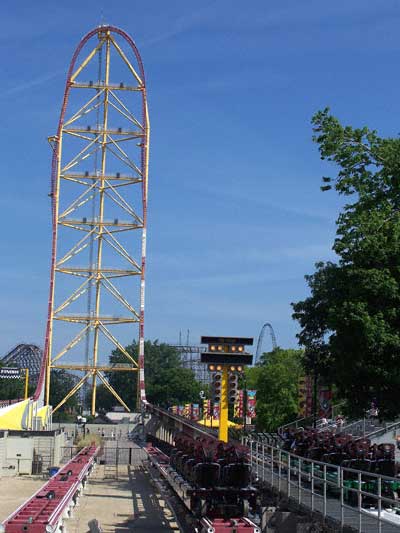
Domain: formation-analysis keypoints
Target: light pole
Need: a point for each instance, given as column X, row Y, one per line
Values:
column 225, row 354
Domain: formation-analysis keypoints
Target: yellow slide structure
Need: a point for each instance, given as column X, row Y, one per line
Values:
column 25, row 415
column 16, row 416
column 44, row 413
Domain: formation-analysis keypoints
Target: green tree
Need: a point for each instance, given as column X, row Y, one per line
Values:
column 276, row 380
column 350, row 324
column 167, row 382
column 61, row 383
column 104, row 399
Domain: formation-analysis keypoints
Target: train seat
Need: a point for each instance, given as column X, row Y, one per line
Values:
column 385, row 467
column 236, row 475
column 188, row 468
column 206, row 475
column 180, row 461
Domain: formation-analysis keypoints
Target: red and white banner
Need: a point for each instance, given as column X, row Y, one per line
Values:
column 251, row 403
column 238, row 405
column 195, row 411
column 216, row 412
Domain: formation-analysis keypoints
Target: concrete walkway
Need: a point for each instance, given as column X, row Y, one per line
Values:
column 126, row 503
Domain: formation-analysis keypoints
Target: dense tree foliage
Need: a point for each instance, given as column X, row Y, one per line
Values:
column 104, row 399
column 61, row 383
column 350, row 324
column 167, row 382
column 276, row 380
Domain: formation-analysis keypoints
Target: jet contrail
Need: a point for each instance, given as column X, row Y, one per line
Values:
column 31, row 83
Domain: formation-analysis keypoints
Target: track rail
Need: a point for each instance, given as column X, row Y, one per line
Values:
column 219, row 525
column 184, row 492
column 46, row 510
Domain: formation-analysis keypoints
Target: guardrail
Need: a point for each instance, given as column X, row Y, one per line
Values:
column 364, row 501
column 361, row 428
column 47, row 509
column 381, row 431
column 364, row 427
column 184, row 424
column 299, row 422
column 308, row 421
column 110, row 455
column 274, row 439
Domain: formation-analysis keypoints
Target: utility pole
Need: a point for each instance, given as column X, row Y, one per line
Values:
column 26, row 383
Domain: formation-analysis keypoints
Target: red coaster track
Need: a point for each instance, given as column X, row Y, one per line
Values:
column 47, row 508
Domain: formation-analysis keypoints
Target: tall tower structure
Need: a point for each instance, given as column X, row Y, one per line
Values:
column 99, row 210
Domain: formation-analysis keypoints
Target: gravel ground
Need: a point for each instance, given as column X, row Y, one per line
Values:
column 15, row 491
column 127, row 503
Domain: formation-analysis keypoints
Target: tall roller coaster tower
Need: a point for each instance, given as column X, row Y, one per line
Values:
column 99, row 207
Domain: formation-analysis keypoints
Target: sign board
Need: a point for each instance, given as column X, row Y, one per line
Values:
column 10, row 373
column 226, row 350
column 227, row 359
column 227, row 340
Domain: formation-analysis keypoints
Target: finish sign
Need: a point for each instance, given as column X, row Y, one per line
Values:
column 10, row 373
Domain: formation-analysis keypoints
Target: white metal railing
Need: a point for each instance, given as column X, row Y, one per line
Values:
column 359, row 428
column 388, row 427
column 362, row 500
column 309, row 420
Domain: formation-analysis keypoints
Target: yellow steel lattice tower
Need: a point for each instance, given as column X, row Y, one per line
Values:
column 99, row 205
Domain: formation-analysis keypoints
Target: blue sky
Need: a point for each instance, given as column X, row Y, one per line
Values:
column 236, row 217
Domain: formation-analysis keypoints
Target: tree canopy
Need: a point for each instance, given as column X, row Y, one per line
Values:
column 167, row 382
column 350, row 324
column 61, row 383
column 276, row 380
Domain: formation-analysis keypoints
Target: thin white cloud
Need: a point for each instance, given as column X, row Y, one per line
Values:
column 257, row 257
column 29, row 84
column 181, row 25
column 255, row 200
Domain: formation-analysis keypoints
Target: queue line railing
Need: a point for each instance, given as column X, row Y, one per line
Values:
column 365, row 501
